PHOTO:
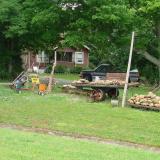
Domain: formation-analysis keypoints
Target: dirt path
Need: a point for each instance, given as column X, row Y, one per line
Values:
column 83, row 137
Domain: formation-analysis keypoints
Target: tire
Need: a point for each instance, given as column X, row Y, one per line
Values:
column 112, row 93
column 88, row 77
column 98, row 95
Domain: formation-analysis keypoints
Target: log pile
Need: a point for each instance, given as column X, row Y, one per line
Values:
column 81, row 81
column 100, row 82
column 73, row 90
column 149, row 101
column 113, row 82
column 68, row 87
column 109, row 82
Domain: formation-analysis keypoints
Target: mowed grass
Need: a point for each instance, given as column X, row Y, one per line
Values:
column 65, row 76
column 76, row 114
column 18, row 145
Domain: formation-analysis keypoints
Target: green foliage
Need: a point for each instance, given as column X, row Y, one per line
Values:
column 48, row 69
column 76, row 70
column 64, row 69
column 4, row 75
column 151, row 73
column 104, row 26
column 60, row 69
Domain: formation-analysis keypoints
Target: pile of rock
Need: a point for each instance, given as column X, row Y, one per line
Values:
column 150, row 100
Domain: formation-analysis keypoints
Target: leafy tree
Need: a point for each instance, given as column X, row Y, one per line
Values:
column 28, row 24
column 150, row 11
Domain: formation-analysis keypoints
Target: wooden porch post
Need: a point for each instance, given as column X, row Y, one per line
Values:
column 49, row 89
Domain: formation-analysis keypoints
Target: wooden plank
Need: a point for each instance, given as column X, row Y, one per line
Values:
column 136, row 84
column 116, row 76
column 94, row 85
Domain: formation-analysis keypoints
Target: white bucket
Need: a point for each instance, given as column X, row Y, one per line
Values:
column 114, row 102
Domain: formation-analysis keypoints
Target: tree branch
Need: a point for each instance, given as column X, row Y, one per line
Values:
column 151, row 58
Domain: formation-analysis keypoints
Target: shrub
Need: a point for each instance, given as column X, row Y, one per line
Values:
column 151, row 73
column 91, row 66
column 48, row 69
column 60, row 69
column 4, row 75
column 76, row 70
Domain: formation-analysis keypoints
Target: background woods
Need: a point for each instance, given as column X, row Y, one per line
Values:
column 105, row 26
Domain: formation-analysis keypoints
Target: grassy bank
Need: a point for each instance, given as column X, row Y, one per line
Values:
column 75, row 114
column 17, row 145
column 66, row 76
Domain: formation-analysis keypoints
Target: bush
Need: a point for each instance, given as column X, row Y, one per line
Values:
column 76, row 70
column 48, row 69
column 91, row 66
column 4, row 75
column 60, row 69
column 151, row 73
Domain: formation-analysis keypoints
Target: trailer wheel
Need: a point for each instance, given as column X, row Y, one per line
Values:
column 88, row 77
column 113, row 93
column 98, row 95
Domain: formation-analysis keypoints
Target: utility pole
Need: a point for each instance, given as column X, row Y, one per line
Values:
column 128, row 71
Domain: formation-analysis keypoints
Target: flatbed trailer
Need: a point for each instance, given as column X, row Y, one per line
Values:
column 98, row 92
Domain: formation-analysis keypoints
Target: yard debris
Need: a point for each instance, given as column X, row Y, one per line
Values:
column 109, row 82
column 73, row 90
column 81, row 81
column 113, row 82
column 150, row 100
column 69, row 86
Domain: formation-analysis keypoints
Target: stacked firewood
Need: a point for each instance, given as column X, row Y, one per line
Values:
column 150, row 100
column 99, row 82
column 113, row 82
column 68, row 87
column 109, row 82
column 81, row 81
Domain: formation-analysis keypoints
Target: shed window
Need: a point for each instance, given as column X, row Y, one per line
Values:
column 64, row 56
column 42, row 57
column 79, row 57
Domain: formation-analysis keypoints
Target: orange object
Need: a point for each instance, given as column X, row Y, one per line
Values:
column 42, row 87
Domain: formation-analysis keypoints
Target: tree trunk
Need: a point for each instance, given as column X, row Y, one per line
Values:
column 10, row 66
column 11, row 47
column 159, row 76
column 158, row 36
column 152, row 59
column 155, row 61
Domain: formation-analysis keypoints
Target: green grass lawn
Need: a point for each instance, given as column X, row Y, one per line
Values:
column 18, row 145
column 64, row 76
column 76, row 114
column 68, row 76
